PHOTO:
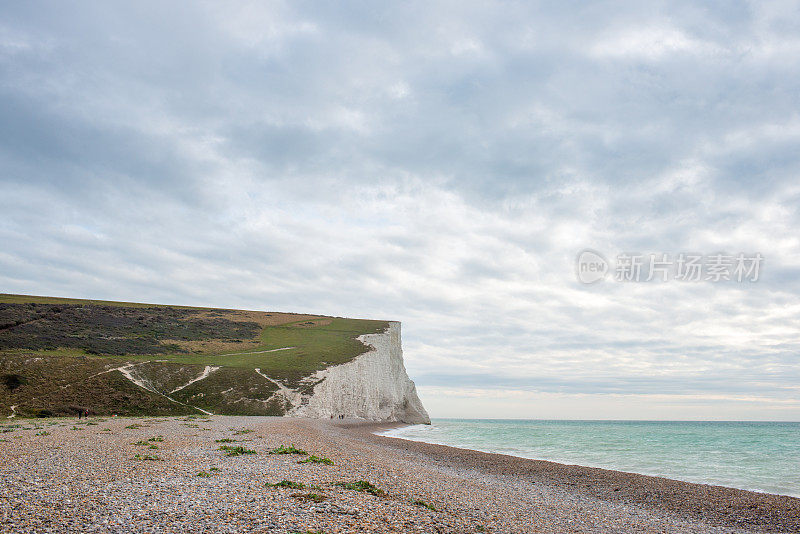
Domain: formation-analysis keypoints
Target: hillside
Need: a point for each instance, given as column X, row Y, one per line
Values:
column 58, row 356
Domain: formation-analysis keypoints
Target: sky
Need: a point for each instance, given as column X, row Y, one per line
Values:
column 442, row 164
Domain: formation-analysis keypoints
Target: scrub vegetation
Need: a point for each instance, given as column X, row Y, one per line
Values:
column 362, row 486
column 60, row 356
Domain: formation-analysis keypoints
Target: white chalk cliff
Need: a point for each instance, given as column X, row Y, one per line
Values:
column 373, row 386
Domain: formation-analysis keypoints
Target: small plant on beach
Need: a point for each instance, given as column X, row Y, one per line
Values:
column 316, row 460
column 287, row 484
column 215, row 469
column 236, row 451
column 134, row 426
column 363, row 486
column 153, row 447
column 204, row 474
column 226, row 440
column 291, row 449
column 309, row 497
column 480, row 528
column 157, row 438
column 43, row 433
column 422, row 503
column 243, row 431
column 146, row 457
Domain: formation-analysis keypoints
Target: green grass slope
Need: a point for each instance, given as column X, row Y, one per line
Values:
column 59, row 355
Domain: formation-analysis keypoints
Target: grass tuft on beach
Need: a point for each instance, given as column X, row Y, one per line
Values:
column 291, row 449
column 362, row 486
column 287, row 484
column 420, row 502
column 313, row 459
column 236, row 451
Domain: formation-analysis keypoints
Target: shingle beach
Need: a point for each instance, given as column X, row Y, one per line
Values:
column 169, row 475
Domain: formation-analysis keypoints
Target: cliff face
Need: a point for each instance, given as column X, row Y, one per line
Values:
column 374, row 386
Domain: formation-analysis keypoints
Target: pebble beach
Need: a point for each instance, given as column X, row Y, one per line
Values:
column 217, row 474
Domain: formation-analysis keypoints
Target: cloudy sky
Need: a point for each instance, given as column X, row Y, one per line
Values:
column 437, row 163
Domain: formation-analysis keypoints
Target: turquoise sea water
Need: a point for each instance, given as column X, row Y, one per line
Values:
column 759, row 456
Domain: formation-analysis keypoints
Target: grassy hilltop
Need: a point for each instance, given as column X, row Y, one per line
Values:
column 60, row 355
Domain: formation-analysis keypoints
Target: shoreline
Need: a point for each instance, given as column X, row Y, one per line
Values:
column 726, row 505
column 67, row 476
column 381, row 433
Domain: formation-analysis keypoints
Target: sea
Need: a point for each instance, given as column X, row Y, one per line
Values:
column 756, row 456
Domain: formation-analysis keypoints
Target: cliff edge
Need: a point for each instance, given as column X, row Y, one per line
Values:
column 374, row 386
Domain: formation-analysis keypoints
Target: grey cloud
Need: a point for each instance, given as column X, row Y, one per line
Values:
column 440, row 164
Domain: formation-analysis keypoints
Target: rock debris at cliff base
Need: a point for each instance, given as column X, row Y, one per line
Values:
column 160, row 475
